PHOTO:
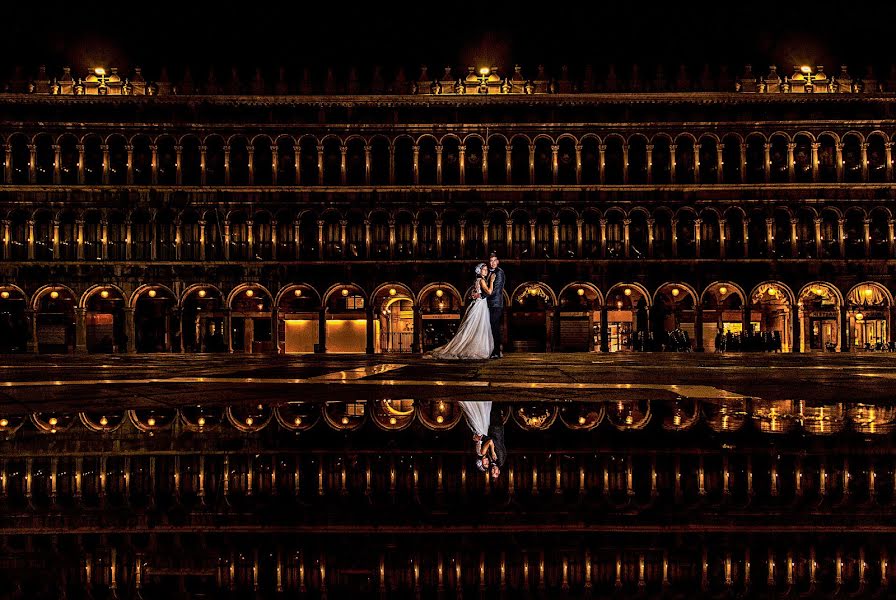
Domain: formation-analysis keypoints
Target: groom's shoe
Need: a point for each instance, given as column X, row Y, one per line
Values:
column 494, row 356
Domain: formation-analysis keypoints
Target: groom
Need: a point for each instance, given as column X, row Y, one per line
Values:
column 496, row 303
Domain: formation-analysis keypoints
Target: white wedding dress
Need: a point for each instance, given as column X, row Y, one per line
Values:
column 478, row 415
column 473, row 340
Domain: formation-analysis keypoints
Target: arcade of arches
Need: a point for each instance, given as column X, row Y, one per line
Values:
column 770, row 316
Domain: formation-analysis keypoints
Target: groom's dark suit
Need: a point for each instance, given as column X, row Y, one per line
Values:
column 496, row 434
column 496, row 308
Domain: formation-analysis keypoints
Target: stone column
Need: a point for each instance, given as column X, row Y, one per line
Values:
column 891, row 238
column 80, row 148
column 227, row 165
column 416, row 165
column 603, row 238
column 796, row 342
column 508, row 164
column 602, row 163
column 485, row 164
column 343, row 235
column 462, row 164
column 320, row 165
column 106, row 161
column 7, row 167
column 815, row 147
column 228, row 330
column 743, row 162
column 32, row 163
column 251, row 152
column 368, row 163
column 864, row 159
column 201, row 240
column 275, row 329
column 439, row 238
column 55, row 240
column 556, row 245
column 343, row 164
column 179, row 165
column 888, row 158
column 129, row 330
column 578, row 164
column 439, row 164
column 794, row 238
column 818, row 246
column 673, row 162
column 580, row 237
column 178, row 239
column 698, row 327
column 5, row 254
column 250, row 235
column 625, row 165
column 321, row 346
column 297, row 236
column 203, row 165
column 650, row 224
column 391, row 238
column 791, row 162
column 367, row 239
column 509, row 236
column 415, row 237
column 698, row 236
column 392, row 164
column 674, row 224
column 626, row 236
column 841, row 236
column 767, row 165
column 57, row 164
column 30, row 239
column 275, row 164
column 463, row 234
column 649, row 164
column 370, row 345
column 555, row 164
column 79, row 239
column 80, row 330
column 485, row 238
column 274, row 239
column 770, row 236
column 723, row 237
column 154, row 164
column 226, row 241
column 867, row 223
column 746, row 228
column 532, row 238
column 844, row 330
column 838, row 159
column 31, row 317
column 604, row 329
column 417, row 342
column 320, row 239
column 720, row 162
column 531, row 164
column 130, row 166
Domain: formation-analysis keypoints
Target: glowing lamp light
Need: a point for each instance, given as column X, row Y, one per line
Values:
column 484, row 71
column 675, row 292
column 817, row 291
column 533, row 291
column 392, row 291
column 151, row 421
column 806, row 69
column 201, row 421
column 581, row 420
column 627, row 291
column 868, row 292
column 54, row 294
column 723, row 290
column 249, row 421
column 104, row 421
column 345, row 420
column 345, row 291
column 581, row 291
column 4, row 422
column 104, row 294
column 151, row 293
column 619, row 304
column 4, row 295
column 53, row 421
column 439, row 293
column 297, row 421
column 249, row 293
column 439, row 419
column 860, row 317
column 773, row 291
column 392, row 420
column 100, row 71
column 297, row 293
column 202, row 293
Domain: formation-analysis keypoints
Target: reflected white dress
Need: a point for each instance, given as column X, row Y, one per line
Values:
column 473, row 340
column 478, row 415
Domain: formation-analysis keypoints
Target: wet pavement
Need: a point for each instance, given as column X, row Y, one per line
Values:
column 76, row 383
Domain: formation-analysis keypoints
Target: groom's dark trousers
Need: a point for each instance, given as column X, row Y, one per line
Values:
column 494, row 316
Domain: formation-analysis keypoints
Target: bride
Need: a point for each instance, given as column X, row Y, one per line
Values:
column 473, row 339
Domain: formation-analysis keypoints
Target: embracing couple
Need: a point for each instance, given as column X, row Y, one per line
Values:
column 488, row 436
column 479, row 334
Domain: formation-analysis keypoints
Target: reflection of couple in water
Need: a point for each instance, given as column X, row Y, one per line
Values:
column 488, row 436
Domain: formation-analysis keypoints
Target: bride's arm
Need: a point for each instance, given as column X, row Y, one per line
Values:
column 488, row 449
column 486, row 284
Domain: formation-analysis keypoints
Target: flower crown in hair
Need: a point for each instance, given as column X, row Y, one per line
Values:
column 480, row 466
column 479, row 267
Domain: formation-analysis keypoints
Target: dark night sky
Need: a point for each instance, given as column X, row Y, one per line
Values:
column 268, row 34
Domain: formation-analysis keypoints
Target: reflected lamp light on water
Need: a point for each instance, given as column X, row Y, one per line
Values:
column 4, row 295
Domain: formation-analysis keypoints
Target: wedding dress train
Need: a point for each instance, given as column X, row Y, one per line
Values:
column 478, row 415
column 473, row 340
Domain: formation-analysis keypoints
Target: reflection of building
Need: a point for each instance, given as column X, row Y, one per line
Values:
column 404, row 189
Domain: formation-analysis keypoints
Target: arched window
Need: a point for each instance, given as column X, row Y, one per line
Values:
column 167, row 161
column 116, row 236
column 637, row 160
column 521, row 242
column 684, row 160
column 473, row 236
column 852, row 158
column 239, row 236
column 519, row 161
column 141, row 235
column 473, row 161
column 661, row 159
column 709, row 160
column 426, row 161
column 404, row 235
column 43, row 235
column 450, row 161
column 214, row 236
column 166, row 231
column 239, row 161
column 286, row 162
column 778, row 158
column 262, row 236
column 190, row 236
column 262, row 161
column 731, row 159
column 497, row 161
column 614, row 162
column 93, row 235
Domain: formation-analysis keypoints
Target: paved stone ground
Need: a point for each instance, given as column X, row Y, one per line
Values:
column 75, row 383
